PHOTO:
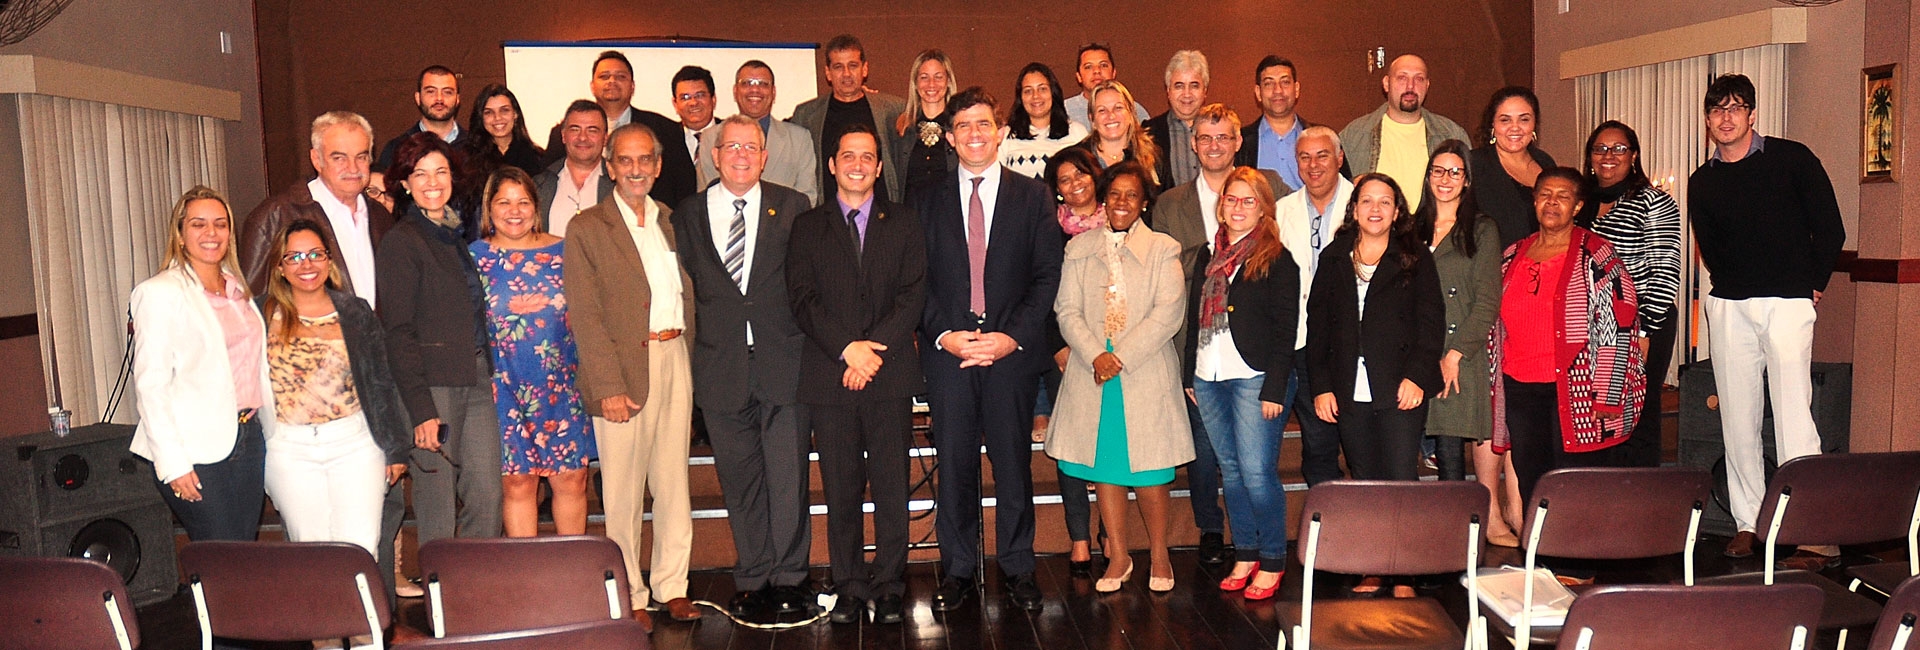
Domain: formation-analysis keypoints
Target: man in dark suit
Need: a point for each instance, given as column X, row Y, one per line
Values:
column 612, row 88
column 993, row 265
column 1270, row 142
column 856, row 272
column 1172, row 131
column 746, row 366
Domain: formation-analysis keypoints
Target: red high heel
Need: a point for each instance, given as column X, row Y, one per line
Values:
column 1231, row 583
column 1254, row 592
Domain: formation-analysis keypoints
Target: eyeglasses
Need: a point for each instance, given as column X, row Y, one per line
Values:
column 687, row 97
column 1232, row 201
column 1728, row 110
column 294, row 258
column 756, row 83
column 738, row 147
column 1610, row 150
column 1226, row 139
column 1451, row 173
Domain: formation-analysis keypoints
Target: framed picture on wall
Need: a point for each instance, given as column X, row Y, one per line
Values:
column 1879, row 124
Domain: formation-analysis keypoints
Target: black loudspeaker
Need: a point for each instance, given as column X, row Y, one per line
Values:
column 85, row 495
column 1702, row 445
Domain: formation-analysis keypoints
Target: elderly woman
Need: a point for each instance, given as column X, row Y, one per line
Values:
column 1643, row 224
column 545, row 428
column 1570, row 379
column 1509, row 163
column 1038, row 127
column 1244, row 308
column 1119, row 423
column 921, row 150
column 1117, row 134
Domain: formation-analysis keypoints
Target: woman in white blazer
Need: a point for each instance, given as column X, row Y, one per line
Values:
column 200, row 373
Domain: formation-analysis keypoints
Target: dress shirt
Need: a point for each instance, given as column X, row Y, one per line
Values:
column 1362, row 388
column 1209, row 209
column 241, row 330
column 859, row 220
column 1278, row 152
column 661, row 263
column 989, row 195
column 569, row 199
column 625, row 117
column 692, row 136
column 720, row 221
column 451, row 137
column 351, row 232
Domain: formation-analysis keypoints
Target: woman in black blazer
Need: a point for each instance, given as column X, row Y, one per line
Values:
column 1243, row 310
column 1375, row 307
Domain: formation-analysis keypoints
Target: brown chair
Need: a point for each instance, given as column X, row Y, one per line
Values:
column 622, row 634
column 1674, row 617
column 1834, row 499
column 1886, row 576
column 285, row 591
column 1388, row 528
column 1895, row 631
column 1609, row 514
column 64, row 602
column 481, row 586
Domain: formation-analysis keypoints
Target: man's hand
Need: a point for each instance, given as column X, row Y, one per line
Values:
column 1105, row 367
column 618, row 409
column 1816, row 298
column 860, row 358
column 1270, row 410
column 853, row 380
column 956, row 342
column 1327, row 407
column 986, row 348
column 426, row 435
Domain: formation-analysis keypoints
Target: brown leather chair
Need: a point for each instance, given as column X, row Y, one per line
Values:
column 64, row 602
column 1610, row 514
column 1886, row 576
column 481, row 586
column 1834, row 499
column 286, row 591
column 1895, row 630
column 622, row 634
column 1386, row 528
column 1674, row 617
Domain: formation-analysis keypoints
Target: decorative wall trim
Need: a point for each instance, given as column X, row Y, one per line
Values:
column 24, row 325
column 1764, row 27
column 1881, row 271
column 39, row 75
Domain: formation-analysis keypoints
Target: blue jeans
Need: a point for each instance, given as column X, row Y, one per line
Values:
column 1248, row 449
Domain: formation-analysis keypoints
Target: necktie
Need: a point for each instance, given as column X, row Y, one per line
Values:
column 736, row 257
column 977, row 251
column 853, row 226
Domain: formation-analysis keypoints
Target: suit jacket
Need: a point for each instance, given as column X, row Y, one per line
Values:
column 609, row 302
column 792, row 160
column 547, row 184
column 1400, row 334
column 1162, row 135
column 1297, row 235
column 182, row 379
column 677, row 179
column 1024, row 252
column 434, row 311
column 1262, row 315
column 886, row 108
column 1249, row 154
column 261, row 226
column 725, row 375
column 839, row 297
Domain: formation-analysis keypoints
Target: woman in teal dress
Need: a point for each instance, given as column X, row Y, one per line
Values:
column 545, row 428
column 1118, row 422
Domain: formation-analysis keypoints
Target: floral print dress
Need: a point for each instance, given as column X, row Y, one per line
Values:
column 545, row 427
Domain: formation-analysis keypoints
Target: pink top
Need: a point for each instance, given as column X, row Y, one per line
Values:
column 246, row 340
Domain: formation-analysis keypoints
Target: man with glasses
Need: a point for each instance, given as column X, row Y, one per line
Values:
column 693, row 102
column 577, row 180
column 791, row 161
column 1769, row 231
column 1274, row 138
column 1307, row 221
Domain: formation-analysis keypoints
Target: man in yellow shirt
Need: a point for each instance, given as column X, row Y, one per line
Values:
column 1397, row 138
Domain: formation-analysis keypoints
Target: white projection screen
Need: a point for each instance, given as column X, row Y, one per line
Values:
column 548, row 75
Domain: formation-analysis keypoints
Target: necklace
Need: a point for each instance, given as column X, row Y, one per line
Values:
column 318, row 321
column 1362, row 269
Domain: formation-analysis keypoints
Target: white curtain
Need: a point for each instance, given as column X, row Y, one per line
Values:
column 1662, row 102
column 101, row 180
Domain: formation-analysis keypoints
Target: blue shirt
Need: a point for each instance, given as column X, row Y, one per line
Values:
column 859, row 220
column 1319, row 231
column 1277, row 152
column 1758, row 145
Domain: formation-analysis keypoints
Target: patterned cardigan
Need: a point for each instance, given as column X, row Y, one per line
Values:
column 1600, row 369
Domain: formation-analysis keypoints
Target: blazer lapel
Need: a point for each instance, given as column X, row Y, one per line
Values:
column 761, row 246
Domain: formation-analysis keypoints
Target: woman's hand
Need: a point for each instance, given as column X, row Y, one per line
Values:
column 1325, row 406
column 187, row 487
column 395, row 471
column 426, row 435
column 1450, row 373
column 1106, row 366
column 1410, row 395
column 1191, row 398
column 1270, row 410
column 1060, row 358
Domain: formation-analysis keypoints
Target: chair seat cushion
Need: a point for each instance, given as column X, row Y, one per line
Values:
column 1413, row 623
column 1883, row 577
column 1842, row 609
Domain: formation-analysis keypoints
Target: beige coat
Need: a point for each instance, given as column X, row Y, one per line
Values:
column 1158, row 436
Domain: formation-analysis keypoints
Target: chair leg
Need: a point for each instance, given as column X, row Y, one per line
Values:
column 1693, row 537
column 119, row 626
column 1474, row 641
column 200, row 610
column 1303, row 633
column 1773, row 530
column 373, row 615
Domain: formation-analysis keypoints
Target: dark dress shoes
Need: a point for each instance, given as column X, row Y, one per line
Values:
column 888, row 610
column 1214, row 549
column 849, row 609
column 1024, row 592
column 747, row 604
column 952, row 593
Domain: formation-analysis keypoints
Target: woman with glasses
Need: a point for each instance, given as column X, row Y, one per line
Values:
column 1643, row 224
column 1569, row 376
column 340, row 437
column 1510, row 162
column 921, row 150
column 1038, row 127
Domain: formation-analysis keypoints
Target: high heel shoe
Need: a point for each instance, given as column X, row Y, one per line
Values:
column 1110, row 585
column 1255, row 592
column 1231, row 583
column 1159, row 585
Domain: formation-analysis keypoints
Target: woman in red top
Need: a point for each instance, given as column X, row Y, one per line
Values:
column 1568, row 378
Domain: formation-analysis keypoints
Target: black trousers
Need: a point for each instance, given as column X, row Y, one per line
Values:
column 1533, row 425
column 1381, row 441
column 1319, row 439
column 982, row 406
column 1642, row 449
column 760, row 453
column 864, row 448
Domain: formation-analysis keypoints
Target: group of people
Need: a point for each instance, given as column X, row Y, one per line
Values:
column 1139, row 293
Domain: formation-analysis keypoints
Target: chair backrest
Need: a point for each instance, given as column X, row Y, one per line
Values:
column 1662, row 617
column 1895, row 630
column 286, row 591
column 477, row 586
column 1616, row 513
column 1843, row 498
column 1394, row 527
column 64, row 602
column 622, row 634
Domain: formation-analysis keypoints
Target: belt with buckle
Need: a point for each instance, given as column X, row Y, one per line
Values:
column 246, row 415
column 664, row 335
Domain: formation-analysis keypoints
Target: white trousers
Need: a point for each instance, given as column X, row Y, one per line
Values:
column 1750, row 337
column 328, row 481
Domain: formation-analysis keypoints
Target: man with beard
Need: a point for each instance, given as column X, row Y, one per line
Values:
column 1397, row 138
column 439, row 101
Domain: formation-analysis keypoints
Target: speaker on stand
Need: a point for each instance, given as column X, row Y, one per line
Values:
column 86, row 495
column 1703, row 445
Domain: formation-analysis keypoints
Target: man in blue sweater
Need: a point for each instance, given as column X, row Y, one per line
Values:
column 1769, row 232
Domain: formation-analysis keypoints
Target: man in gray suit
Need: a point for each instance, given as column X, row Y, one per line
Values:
column 579, row 180
column 791, row 159
column 827, row 117
column 746, row 367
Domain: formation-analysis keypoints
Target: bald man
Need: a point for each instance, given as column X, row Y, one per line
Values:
column 1396, row 138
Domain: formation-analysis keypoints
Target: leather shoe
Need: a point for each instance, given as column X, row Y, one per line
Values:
column 888, row 609
column 952, row 593
column 1741, row 546
column 1808, row 561
column 791, row 599
column 747, row 604
column 682, row 609
column 1024, row 592
column 1213, row 548
column 1080, row 568
column 849, row 609
column 645, row 619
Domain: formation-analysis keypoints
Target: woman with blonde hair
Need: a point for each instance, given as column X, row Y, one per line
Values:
column 920, row 149
column 1117, row 134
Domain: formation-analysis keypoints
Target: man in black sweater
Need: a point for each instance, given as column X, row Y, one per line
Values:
column 1769, row 232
